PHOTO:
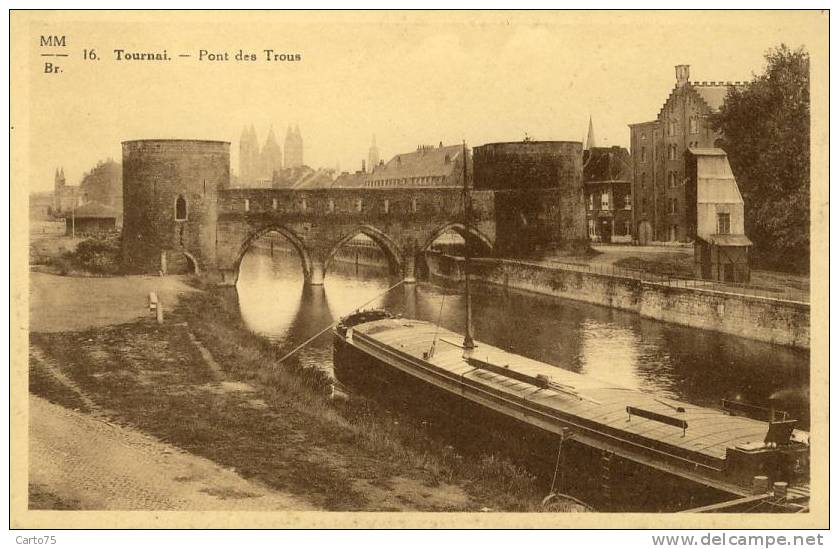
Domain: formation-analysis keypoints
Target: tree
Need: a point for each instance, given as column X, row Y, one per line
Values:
column 766, row 134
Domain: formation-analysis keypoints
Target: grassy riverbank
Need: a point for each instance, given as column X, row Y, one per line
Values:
column 204, row 383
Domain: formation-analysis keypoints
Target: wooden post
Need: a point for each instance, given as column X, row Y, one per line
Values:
column 159, row 311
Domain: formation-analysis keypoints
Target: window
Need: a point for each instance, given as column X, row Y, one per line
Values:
column 591, row 202
column 359, row 205
column 723, row 223
column 694, row 124
column 180, row 208
column 247, row 205
column 627, row 201
column 274, row 204
column 643, row 154
column 604, row 201
column 674, row 205
column 304, row 205
column 413, row 205
column 386, row 206
column 591, row 230
column 672, row 127
column 671, row 152
column 330, row 205
column 643, row 180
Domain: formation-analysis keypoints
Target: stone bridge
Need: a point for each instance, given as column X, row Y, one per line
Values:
column 403, row 222
column 180, row 213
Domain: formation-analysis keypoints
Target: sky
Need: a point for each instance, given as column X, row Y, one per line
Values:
column 409, row 78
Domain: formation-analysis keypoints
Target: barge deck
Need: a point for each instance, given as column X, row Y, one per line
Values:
column 702, row 445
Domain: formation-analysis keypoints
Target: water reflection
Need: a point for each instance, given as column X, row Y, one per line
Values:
column 698, row 366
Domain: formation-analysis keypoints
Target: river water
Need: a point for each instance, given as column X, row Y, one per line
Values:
column 696, row 366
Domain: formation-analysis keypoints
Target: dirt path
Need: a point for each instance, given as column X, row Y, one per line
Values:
column 98, row 465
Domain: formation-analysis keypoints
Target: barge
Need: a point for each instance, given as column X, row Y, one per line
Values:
column 618, row 448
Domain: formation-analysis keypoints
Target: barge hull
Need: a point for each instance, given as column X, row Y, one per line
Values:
column 596, row 472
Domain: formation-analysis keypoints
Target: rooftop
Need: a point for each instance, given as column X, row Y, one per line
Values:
column 426, row 161
column 95, row 209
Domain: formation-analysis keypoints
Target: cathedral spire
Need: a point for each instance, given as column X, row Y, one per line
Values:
column 373, row 155
column 590, row 141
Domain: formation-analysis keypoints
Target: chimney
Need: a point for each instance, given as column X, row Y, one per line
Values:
column 682, row 74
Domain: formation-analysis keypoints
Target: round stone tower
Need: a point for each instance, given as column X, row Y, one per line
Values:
column 170, row 189
column 539, row 193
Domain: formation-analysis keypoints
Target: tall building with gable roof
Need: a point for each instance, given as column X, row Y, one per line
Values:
column 293, row 147
column 257, row 165
column 271, row 156
column 661, row 204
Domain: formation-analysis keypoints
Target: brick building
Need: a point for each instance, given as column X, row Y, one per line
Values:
column 607, row 178
column 659, row 150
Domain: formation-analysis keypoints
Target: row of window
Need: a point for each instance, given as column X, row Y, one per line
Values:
column 693, row 125
column 672, row 151
column 330, row 205
column 406, row 181
column 605, row 203
column 673, row 180
column 625, row 227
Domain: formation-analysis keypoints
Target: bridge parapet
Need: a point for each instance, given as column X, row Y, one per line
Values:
column 367, row 204
column 403, row 222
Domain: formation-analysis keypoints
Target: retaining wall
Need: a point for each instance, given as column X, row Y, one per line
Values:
column 760, row 318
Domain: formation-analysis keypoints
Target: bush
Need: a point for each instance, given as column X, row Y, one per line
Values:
column 98, row 255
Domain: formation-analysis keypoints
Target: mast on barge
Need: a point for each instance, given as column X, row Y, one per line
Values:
column 468, row 340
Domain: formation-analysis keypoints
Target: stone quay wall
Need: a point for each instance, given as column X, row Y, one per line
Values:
column 760, row 318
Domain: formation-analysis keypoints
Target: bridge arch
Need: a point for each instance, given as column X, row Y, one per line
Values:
column 473, row 235
column 388, row 246
column 293, row 239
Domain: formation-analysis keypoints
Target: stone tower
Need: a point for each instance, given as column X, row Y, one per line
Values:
column 293, row 148
column 682, row 75
column 373, row 155
column 271, row 158
column 170, row 195
column 58, row 189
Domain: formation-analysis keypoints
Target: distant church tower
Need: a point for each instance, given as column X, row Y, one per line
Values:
column 293, row 148
column 373, row 155
column 590, row 141
column 271, row 158
column 248, row 157
column 58, row 189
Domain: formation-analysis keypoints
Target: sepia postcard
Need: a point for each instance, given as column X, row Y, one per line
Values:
column 419, row 269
